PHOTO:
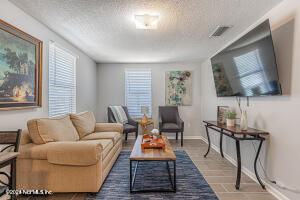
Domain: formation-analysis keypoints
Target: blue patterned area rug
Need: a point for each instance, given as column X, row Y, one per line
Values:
column 154, row 175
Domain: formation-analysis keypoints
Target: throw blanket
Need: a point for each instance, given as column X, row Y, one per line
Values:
column 119, row 114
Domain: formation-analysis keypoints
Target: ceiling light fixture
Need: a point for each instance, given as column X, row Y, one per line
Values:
column 146, row 21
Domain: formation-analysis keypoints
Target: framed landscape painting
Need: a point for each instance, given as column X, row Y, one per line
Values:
column 178, row 88
column 20, row 69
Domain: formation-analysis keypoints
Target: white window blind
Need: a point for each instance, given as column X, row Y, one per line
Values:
column 62, row 81
column 138, row 91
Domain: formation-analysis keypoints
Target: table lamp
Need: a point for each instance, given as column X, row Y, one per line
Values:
column 145, row 111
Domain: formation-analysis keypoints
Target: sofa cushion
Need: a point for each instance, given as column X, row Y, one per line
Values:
column 107, row 145
column 84, row 122
column 109, row 127
column 80, row 153
column 114, row 136
column 45, row 130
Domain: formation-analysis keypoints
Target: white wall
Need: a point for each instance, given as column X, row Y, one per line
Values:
column 111, row 86
column 86, row 69
column 278, row 114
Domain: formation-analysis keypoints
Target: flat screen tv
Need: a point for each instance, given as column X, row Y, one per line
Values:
column 248, row 66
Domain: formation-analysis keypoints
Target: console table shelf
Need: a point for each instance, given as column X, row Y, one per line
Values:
column 238, row 135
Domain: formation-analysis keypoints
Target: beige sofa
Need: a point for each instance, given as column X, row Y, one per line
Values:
column 71, row 153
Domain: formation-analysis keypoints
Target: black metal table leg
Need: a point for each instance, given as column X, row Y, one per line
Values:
column 130, row 172
column 238, row 155
column 174, row 163
column 173, row 182
column 133, row 174
column 221, row 143
column 13, row 178
column 170, row 176
column 208, row 139
column 181, row 138
column 255, row 165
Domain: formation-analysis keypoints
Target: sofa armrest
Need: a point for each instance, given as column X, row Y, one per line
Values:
column 109, row 127
column 25, row 138
column 34, row 151
column 79, row 153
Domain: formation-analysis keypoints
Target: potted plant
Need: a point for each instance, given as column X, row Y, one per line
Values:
column 230, row 118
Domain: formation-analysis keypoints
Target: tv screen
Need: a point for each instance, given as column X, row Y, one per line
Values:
column 248, row 66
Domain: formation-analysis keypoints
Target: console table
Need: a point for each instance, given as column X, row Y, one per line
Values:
column 238, row 135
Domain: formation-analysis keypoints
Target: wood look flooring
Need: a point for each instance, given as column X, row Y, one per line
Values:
column 218, row 172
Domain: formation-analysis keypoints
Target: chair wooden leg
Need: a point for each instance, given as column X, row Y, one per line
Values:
column 181, row 138
column 126, row 136
column 176, row 135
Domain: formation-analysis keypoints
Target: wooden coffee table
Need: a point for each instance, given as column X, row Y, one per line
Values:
column 163, row 155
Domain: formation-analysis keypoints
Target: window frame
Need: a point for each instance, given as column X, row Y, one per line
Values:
column 75, row 60
column 151, row 98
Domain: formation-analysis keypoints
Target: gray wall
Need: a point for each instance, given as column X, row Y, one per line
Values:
column 111, row 91
column 86, row 69
column 278, row 114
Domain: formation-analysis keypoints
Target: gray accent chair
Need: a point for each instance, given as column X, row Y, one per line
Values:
column 130, row 127
column 170, row 121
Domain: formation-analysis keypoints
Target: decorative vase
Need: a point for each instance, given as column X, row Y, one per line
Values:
column 244, row 122
column 230, row 122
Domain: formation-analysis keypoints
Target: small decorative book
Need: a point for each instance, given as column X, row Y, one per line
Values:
column 150, row 143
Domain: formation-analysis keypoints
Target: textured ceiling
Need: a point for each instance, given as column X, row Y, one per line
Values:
column 105, row 30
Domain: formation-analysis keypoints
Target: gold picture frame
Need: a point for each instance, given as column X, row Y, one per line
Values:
column 20, row 69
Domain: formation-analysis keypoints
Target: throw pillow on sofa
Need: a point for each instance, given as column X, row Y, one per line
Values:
column 55, row 129
column 84, row 122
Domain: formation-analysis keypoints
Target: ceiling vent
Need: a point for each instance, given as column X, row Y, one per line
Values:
column 219, row 31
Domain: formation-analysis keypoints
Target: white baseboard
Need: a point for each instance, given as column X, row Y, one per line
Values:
column 270, row 188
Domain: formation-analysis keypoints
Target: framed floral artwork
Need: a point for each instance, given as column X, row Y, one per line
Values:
column 178, row 88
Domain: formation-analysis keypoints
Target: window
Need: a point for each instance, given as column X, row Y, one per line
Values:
column 62, row 81
column 138, row 91
column 251, row 74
